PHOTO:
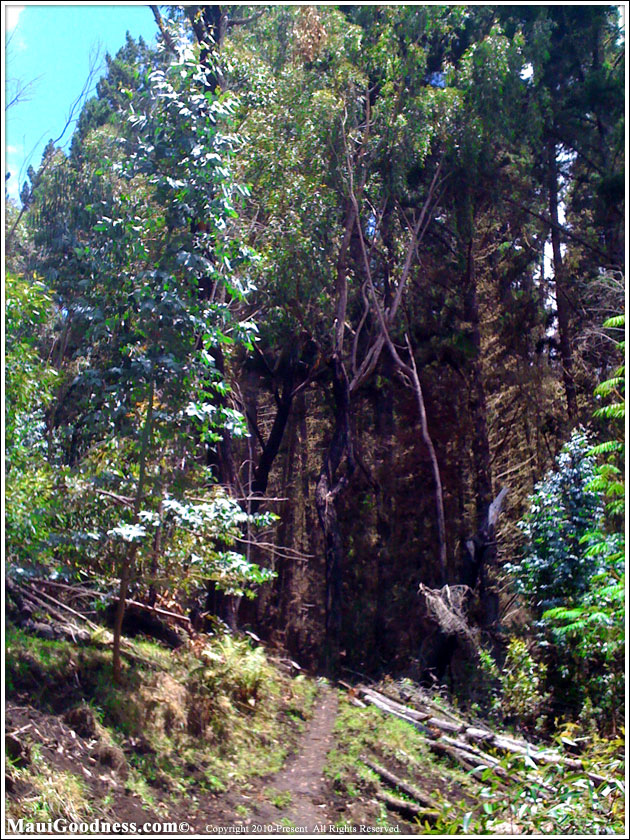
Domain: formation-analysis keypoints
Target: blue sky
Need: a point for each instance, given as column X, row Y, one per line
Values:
column 50, row 45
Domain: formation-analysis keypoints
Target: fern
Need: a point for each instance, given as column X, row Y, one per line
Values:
column 616, row 322
column 606, row 448
column 615, row 411
column 616, row 382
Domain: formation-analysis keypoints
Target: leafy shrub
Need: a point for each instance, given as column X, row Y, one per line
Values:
column 593, row 628
column 29, row 384
column 555, row 799
column 520, row 681
column 556, row 566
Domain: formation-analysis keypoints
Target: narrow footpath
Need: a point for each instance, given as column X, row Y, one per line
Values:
column 301, row 782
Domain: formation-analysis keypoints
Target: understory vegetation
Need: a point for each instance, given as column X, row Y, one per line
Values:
column 314, row 363
column 184, row 725
column 516, row 795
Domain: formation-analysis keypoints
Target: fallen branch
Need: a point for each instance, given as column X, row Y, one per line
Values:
column 395, row 781
column 128, row 601
column 442, row 749
column 463, row 751
column 157, row 610
column 425, row 704
column 54, row 611
column 394, row 705
column 375, row 701
column 407, row 808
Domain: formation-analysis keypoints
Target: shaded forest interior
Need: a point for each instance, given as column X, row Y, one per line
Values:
column 313, row 331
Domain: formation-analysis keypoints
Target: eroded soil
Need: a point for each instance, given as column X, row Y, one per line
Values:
column 298, row 797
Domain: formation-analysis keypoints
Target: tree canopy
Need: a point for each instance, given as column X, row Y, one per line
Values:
column 313, row 308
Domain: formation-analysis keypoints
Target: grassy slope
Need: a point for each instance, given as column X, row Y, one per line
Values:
column 183, row 727
column 545, row 799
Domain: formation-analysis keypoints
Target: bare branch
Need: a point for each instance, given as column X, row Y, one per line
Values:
column 245, row 21
column 410, row 371
column 557, row 226
column 168, row 40
column 20, row 91
column 78, row 103
column 121, row 500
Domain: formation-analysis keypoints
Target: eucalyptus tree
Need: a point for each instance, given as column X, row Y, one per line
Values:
column 151, row 293
column 351, row 113
column 354, row 110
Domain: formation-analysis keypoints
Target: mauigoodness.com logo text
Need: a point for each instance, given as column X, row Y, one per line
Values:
column 63, row 826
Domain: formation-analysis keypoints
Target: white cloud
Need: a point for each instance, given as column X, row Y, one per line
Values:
column 12, row 188
column 12, row 16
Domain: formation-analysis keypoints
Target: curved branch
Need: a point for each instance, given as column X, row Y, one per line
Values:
column 168, row 40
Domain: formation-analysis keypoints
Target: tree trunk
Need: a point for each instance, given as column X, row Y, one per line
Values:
column 129, row 561
column 329, row 486
column 562, row 301
column 272, row 445
column 482, row 546
column 482, row 479
column 435, row 468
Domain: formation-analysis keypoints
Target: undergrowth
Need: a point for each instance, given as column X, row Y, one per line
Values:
column 368, row 733
column 544, row 799
column 190, row 720
column 52, row 795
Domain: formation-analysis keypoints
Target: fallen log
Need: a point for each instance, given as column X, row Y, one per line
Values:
column 407, row 808
column 502, row 743
column 480, row 758
column 394, row 707
column 439, row 748
column 91, row 593
column 467, row 761
column 426, row 703
column 445, row 725
column 395, row 781
column 475, row 752
column 511, row 746
column 375, row 701
column 544, row 757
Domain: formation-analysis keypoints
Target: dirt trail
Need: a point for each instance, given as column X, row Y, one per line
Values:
column 296, row 796
column 302, row 777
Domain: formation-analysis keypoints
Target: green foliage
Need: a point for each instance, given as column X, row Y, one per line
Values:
column 233, row 668
column 521, row 681
column 200, row 545
column 29, row 382
column 593, row 626
column 134, row 234
column 549, row 799
column 248, row 709
column 555, row 567
column 29, row 388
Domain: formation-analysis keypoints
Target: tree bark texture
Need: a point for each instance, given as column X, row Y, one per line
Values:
column 329, row 487
column 562, row 300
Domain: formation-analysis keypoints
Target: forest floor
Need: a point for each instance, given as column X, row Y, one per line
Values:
column 298, row 799
column 227, row 738
column 80, row 749
column 300, row 789
column 84, row 778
